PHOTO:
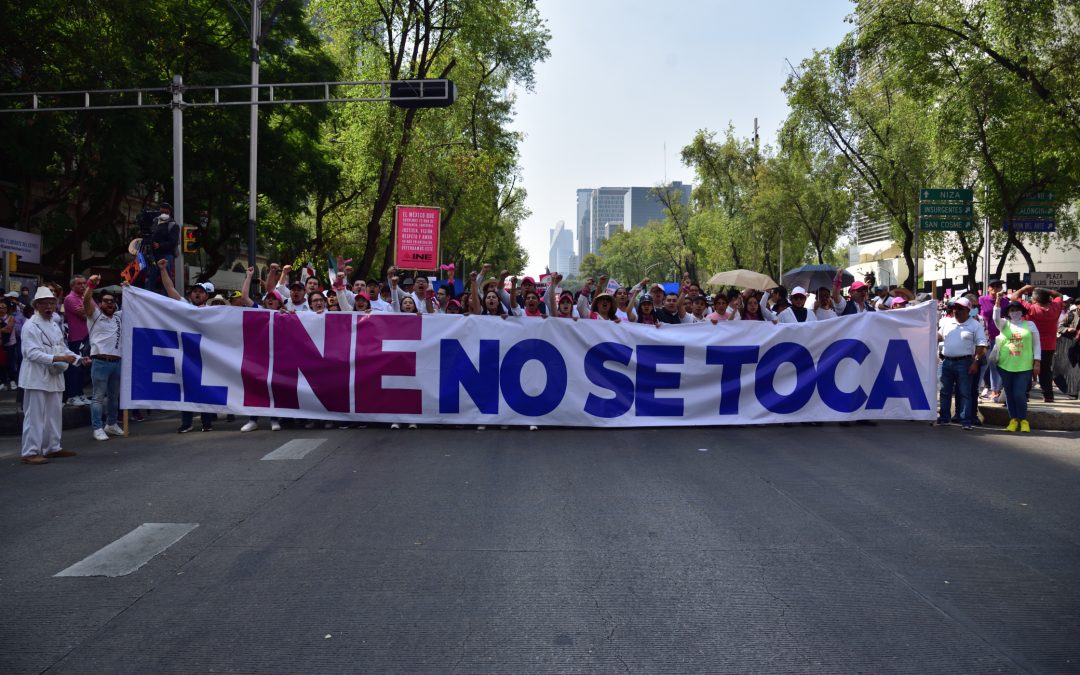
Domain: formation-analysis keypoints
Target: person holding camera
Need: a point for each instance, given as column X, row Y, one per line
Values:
column 41, row 377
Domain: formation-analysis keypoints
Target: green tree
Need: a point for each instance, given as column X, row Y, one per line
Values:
column 71, row 175
column 857, row 104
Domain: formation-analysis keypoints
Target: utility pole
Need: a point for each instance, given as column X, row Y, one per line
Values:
column 177, row 106
column 253, row 175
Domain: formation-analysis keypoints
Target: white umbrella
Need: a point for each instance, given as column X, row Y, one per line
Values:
column 743, row 279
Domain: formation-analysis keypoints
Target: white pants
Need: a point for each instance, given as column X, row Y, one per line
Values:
column 43, row 413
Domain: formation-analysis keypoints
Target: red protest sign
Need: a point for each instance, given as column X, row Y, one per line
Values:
column 416, row 237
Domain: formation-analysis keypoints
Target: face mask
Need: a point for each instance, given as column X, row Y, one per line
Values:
column 1016, row 316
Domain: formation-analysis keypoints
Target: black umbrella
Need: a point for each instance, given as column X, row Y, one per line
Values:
column 813, row 277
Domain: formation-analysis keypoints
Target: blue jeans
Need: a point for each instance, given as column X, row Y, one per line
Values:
column 105, row 376
column 954, row 375
column 1015, row 386
column 74, row 377
column 14, row 359
column 995, row 377
column 207, row 419
column 153, row 275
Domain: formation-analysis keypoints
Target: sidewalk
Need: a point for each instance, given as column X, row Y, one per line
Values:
column 1061, row 415
column 11, row 417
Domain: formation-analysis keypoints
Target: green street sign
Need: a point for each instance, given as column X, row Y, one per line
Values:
column 937, row 224
column 946, row 211
column 945, row 194
column 1027, row 211
column 1040, row 197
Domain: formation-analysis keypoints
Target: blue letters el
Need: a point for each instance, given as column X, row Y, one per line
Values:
column 194, row 390
column 619, row 384
column 898, row 354
column 785, row 352
column 481, row 382
column 732, row 359
column 840, row 401
column 649, row 380
column 510, row 377
column 144, row 363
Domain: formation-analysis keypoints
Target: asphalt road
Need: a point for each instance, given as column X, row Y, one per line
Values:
column 894, row 548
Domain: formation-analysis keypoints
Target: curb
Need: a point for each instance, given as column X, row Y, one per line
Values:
column 1042, row 417
column 11, row 419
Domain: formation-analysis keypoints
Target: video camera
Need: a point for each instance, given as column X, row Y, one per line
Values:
column 145, row 221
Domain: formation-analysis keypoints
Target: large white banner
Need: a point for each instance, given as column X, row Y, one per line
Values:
column 443, row 369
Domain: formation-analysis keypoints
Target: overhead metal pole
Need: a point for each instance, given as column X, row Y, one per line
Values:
column 253, row 176
column 424, row 93
column 178, row 174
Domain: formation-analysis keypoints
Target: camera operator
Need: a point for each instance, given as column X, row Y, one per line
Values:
column 164, row 237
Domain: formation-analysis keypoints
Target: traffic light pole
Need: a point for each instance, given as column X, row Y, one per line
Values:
column 178, row 174
column 434, row 93
column 253, row 172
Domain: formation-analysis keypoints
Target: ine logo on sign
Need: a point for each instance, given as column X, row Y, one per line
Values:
column 416, row 237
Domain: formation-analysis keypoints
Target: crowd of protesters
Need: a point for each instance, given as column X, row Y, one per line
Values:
column 994, row 348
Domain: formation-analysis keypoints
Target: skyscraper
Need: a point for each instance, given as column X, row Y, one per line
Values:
column 605, row 206
column 601, row 212
column 584, row 222
column 640, row 206
column 561, row 249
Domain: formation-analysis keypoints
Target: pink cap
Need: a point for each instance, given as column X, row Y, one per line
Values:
column 529, row 280
column 963, row 302
column 857, row 285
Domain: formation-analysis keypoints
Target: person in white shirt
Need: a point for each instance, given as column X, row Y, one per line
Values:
column 797, row 311
column 382, row 301
column 824, row 308
column 104, row 335
column 963, row 342
column 41, row 377
column 698, row 307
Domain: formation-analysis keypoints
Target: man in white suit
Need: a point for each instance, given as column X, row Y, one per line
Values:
column 41, row 377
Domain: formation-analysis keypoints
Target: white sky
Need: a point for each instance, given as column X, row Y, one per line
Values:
column 626, row 76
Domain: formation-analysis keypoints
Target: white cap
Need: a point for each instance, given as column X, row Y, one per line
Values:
column 11, row 294
column 798, row 290
column 206, row 286
column 963, row 302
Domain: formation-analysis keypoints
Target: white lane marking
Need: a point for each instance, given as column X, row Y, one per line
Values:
column 129, row 552
column 702, row 449
column 296, row 448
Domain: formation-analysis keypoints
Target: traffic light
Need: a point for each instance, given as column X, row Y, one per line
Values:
column 191, row 239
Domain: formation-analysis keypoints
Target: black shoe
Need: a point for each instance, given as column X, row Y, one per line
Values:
column 941, row 422
column 185, row 428
column 208, row 428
